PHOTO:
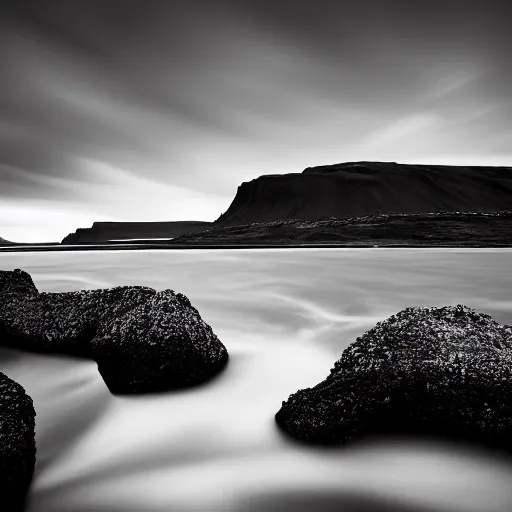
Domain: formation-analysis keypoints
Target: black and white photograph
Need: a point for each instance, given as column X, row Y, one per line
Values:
column 255, row 256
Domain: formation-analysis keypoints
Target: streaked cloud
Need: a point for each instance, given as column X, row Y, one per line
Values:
column 167, row 106
column 404, row 129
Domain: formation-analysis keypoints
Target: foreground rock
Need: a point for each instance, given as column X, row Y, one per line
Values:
column 143, row 341
column 17, row 444
column 430, row 371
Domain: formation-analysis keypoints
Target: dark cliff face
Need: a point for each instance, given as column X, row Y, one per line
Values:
column 363, row 188
column 104, row 231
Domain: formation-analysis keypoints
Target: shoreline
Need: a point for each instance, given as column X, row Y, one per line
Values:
column 142, row 247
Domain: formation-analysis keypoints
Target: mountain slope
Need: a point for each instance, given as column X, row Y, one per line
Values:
column 5, row 242
column 363, row 188
column 105, row 231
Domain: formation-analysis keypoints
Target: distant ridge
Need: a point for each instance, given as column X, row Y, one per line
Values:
column 366, row 188
column 5, row 242
column 105, row 231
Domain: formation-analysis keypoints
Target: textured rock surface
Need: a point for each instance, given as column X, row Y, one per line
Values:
column 142, row 340
column 17, row 444
column 16, row 282
column 431, row 371
column 164, row 337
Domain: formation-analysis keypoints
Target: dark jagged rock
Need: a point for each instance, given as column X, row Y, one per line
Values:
column 163, row 337
column 425, row 371
column 142, row 340
column 16, row 282
column 65, row 323
column 17, row 444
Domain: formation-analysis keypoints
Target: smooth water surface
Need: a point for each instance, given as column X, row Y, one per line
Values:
column 285, row 316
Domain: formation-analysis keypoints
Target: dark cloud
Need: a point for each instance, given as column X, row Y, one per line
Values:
column 198, row 96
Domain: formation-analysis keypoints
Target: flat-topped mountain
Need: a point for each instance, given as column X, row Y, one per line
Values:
column 106, row 231
column 365, row 188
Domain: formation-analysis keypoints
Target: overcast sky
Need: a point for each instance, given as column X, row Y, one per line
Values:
column 159, row 109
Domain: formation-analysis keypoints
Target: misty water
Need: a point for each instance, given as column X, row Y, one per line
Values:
column 285, row 316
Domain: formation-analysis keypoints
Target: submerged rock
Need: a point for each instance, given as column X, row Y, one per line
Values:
column 443, row 371
column 142, row 340
column 17, row 444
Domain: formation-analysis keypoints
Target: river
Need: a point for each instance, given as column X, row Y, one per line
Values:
column 285, row 316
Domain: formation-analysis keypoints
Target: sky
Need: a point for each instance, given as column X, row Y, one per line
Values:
column 141, row 110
